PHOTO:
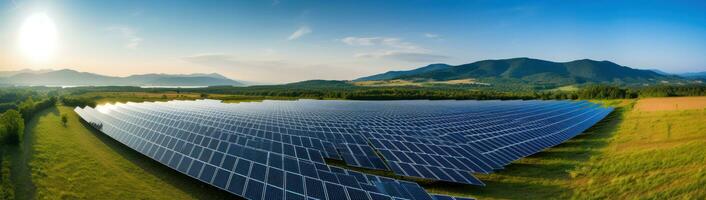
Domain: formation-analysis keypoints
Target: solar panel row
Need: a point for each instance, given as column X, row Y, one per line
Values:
column 277, row 149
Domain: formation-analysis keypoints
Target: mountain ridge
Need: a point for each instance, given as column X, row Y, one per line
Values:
column 532, row 71
column 76, row 78
column 694, row 75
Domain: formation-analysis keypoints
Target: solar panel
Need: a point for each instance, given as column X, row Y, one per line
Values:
column 282, row 149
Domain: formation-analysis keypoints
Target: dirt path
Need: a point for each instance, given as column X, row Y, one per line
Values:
column 19, row 157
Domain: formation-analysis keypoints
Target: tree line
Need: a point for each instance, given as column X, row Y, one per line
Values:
column 341, row 90
column 12, row 120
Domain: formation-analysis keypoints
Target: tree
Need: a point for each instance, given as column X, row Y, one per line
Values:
column 64, row 119
column 27, row 108
column 12, row 126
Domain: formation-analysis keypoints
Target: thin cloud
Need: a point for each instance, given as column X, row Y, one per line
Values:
column 227, row 60
column 390, row 42
column 361, row 41
column 299, row 33
column 129, row 34
column 404, row 56
column 431, row 35
column 392, row 48
column 268, row 70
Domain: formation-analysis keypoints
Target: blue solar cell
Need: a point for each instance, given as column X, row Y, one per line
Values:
column 442, row 197
column 315, row 188
column 195, row 169
column 221, row 179
column 237, row 184
column 393, row 189
column 254, row 189
column 229, row 163
column 273, row 193
column 294, row 196
column 184, row 165
column 258, row 172
column 308, row 169
column 347, row 180
column 291, row 165
column 327, row 176
column 275, row 177
column 416, row 191
column 295, row 183
column 376, row 196
column 207, row 173
column 335, row 191
column 243, row 167
column 356, row 194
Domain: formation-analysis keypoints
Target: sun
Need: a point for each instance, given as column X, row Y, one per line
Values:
column 38, row 38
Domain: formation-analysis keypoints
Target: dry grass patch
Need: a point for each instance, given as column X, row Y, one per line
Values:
column 671, row 103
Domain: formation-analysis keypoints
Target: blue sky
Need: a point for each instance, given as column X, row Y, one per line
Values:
column 279, row 41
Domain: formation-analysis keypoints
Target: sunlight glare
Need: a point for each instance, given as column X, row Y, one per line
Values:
column 38, row 38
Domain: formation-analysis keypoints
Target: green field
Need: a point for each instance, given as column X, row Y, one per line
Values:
column 631, row 154
column 77, row 162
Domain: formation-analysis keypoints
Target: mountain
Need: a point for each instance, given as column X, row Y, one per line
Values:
column 319, row 84
column 67, row 77
column 394, row 74
column 530, row 71
column 12, row 73
column 694, row 75
column 660, row 72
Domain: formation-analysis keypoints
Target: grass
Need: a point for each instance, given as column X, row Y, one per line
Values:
column 7, row 190
column 77, row 162
column 566, row 88
column 630, row 155
column 654, row 155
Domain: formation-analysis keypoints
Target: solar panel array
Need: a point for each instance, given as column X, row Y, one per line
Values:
column 277, row 149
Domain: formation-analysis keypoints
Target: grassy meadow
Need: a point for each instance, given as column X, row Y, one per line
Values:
column 78, row 162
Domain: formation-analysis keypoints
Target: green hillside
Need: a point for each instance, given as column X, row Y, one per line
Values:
column 532, row 71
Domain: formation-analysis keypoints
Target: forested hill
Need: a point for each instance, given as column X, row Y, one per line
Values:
column 531, row 71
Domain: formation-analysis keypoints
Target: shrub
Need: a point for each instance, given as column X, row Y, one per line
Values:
column 78, row 101
column 12, row 127
column 64, row 119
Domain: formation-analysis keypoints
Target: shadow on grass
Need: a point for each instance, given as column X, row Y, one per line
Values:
column 543, row 175
column 20, row 156
column 194, row 187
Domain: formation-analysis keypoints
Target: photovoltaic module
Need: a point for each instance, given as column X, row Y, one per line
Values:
column 282, row 149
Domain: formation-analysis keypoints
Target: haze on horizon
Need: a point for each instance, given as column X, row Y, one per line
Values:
column 278, row 41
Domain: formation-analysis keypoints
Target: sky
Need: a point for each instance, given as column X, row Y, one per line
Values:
column 279, row 41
